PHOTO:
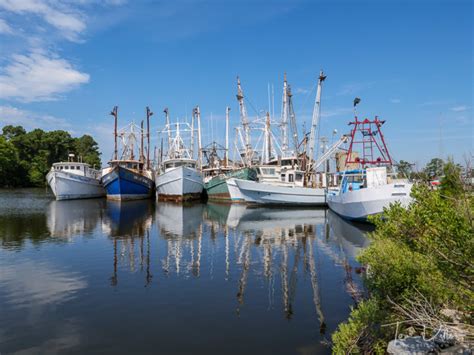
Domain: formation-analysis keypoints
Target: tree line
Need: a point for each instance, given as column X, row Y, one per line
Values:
column 26, row 157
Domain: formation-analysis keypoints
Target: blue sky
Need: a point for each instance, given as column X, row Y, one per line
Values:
column 64, row 64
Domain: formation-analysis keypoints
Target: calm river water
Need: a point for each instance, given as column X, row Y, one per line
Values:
column 94, row 276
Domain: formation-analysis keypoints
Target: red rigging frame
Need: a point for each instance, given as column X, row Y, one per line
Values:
column 372, row 142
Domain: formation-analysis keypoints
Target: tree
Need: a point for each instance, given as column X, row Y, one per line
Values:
column 451, row 183
column 87, row 148
column 10, row 131
column 404, row 169
column 26, row 157
column 434, row 169
column 8, row 162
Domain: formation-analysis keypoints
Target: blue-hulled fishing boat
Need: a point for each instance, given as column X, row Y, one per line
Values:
column 128, row 178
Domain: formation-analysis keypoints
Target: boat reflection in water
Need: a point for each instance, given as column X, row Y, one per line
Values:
column 74, row 217
column 227, row 270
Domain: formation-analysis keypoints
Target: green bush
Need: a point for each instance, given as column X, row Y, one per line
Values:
column 424, row 250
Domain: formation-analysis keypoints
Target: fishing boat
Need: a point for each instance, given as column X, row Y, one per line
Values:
column 218, row 187
column 179, row 177
column 290, row 180
column 367, row 191
column 74, row 180
column 128, row 178
column 218, row 170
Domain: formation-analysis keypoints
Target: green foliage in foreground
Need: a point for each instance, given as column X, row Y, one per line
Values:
column 423, row 252
column 26, row 157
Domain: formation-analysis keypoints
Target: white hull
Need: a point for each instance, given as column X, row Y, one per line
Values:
column 359, row 204
column 66, row 186
column 234, row 192
column 262, row 193
column 179, row 183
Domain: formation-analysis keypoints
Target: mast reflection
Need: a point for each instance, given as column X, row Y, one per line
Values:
column 129, row 224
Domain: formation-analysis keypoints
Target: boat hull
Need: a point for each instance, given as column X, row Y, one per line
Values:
column 66, row 186
column 234, row 192
column 179, row 184
column 262, row 193
column 123, row 184
column 217, row 188
column 360, row 204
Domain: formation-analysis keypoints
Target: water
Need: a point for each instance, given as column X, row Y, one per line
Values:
column 92, row 276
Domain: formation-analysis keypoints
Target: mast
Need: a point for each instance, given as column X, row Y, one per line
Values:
column 142, row 156
column 148, row 115
column 115, row 114
column 267, row 140
column 284, row 119
column 168, row 128
column 245, row 122
column 226, row 158
column 192, row 135
column 198, row 116
column 292, row 117
column 315, row 120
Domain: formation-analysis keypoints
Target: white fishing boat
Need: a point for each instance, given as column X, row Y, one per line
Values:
column 180, row 180
column 74, row 180
column 367, row 191
column 290, row 180
column 288, row 188
column 179, row 177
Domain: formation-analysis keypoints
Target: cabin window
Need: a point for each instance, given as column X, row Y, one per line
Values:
column 78, row 168
column 283, row 177
column 291, row 178
column 299, row 177
column 61, row 168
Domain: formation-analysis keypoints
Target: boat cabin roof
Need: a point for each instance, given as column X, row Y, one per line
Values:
column 126, row 161
column 183, row 160
column 64, row 163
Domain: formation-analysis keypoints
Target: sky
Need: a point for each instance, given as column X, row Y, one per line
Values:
column 64, row 64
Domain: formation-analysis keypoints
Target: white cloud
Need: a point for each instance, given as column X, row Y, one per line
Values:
column 10, row 115
column 460, row 108
column 353, row 88
column 5, row 27
column 61, row 16
column 38, row 77
column 341, row 111
column 39, row 283
column 395, row 101
column 301, row 91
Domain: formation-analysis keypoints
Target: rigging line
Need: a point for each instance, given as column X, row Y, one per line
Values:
column 252, row 106
column 306, row 99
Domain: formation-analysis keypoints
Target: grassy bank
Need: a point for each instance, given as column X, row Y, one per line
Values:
column 419, row 271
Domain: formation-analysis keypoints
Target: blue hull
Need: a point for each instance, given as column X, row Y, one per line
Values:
column 124, row 184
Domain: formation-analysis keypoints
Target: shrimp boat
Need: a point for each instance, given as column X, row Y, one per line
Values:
column 367, row 191
column 74, row 180
column 290, row 180
column 128, row 178
column 218, row 171
column 179, row 178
